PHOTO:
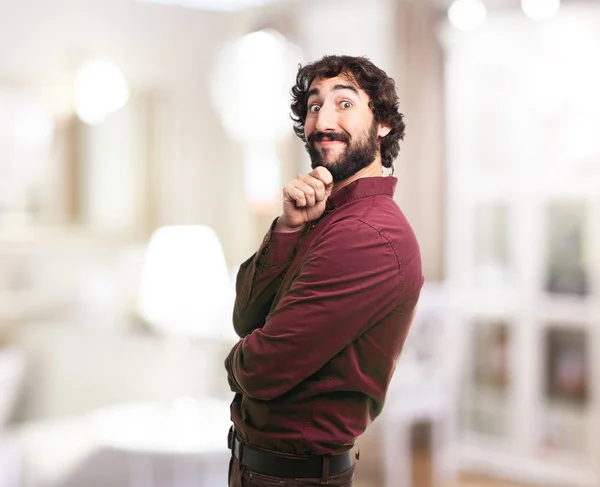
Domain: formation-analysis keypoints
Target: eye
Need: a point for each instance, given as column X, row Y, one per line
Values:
column 314, row 108
column 346, row 104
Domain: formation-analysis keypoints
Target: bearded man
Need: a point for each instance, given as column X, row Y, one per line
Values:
column 324, row 306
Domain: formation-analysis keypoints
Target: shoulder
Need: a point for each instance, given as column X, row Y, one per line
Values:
column 352, row 238
column 382, row 223
column 353, row 252
column 382, row 218
column 367, row 246
column 350, row 229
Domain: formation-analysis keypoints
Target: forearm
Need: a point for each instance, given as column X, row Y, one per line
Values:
column 259, row 278
column 255, row 292
column 234, row 385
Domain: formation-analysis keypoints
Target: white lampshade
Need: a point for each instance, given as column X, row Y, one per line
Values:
column 185, row 287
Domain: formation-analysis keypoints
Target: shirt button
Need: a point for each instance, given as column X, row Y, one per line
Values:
column 265, row 251
column 266, row 239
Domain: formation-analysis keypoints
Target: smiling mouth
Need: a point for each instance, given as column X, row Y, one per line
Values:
column 330, row 142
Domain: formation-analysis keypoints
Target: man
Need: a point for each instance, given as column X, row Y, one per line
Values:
column 324, row 306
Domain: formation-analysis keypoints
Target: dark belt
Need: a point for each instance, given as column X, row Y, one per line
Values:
column 279, row 465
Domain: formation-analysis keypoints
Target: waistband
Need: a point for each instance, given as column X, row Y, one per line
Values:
column 280, row 465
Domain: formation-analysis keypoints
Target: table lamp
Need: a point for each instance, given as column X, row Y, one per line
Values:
column 186, row 296
column 185, row 287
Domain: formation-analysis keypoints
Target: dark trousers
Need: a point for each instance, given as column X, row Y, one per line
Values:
column 240, row 476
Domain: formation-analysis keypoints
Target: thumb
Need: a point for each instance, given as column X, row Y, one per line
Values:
column 328, row 189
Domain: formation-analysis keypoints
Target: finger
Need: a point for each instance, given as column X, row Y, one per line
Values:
column 323, row 174
column 292, row 193
column 307, row 189
column 316, row 184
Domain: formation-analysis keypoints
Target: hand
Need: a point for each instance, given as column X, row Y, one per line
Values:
column 304, row 199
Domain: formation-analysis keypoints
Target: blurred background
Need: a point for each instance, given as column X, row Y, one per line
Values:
column 143, row 147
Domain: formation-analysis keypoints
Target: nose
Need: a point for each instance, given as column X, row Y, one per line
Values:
column 326, row 118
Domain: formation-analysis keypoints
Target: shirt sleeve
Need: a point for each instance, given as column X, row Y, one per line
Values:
column 258, row 280
column 350, row 282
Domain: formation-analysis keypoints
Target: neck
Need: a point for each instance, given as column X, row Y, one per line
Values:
column 375, row 169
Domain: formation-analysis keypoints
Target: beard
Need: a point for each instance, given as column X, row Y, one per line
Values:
column 355, row 156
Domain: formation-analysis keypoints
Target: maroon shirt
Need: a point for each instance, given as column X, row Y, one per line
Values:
column 323, row 314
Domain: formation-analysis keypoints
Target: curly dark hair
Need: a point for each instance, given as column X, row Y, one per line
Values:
column 373, row 80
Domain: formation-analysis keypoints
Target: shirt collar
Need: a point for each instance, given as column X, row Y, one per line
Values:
column 361, row 188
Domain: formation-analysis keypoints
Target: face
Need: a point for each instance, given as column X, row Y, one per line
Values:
column 340, row 129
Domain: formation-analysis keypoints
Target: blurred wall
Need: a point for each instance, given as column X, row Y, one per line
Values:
column 167, row 54
column 419, row 75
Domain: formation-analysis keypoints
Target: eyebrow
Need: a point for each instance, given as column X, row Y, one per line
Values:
column 338, row 87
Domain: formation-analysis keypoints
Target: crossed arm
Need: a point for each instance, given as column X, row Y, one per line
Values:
column 259, row 279
column 351, row 280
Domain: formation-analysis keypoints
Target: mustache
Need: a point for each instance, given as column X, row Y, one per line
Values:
column 320, row 136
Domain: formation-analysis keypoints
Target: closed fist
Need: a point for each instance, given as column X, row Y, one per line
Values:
column 304, row 199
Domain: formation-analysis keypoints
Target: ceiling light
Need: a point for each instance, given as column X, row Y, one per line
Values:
column 467, row 14
column 540, row 9
column 100, row 89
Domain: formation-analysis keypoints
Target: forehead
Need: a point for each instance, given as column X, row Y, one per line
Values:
column 340, row 82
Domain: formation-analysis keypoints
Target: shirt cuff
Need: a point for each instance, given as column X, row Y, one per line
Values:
column 278, row 247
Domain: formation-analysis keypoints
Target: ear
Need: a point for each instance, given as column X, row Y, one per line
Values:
column 384, row 129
